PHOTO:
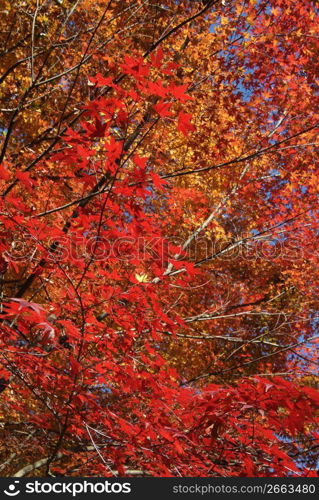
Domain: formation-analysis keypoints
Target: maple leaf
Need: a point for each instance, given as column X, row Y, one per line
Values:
column 157, row 57
column 4, row 174
column 100, row 81
column 157, row 180
column 142, row 278
column 178, row 91
column 21, row 304
column 162, row 108
column 25, row 178
column 184, row 123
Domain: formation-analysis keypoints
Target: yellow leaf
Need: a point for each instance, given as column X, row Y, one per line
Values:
column 141, row 278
